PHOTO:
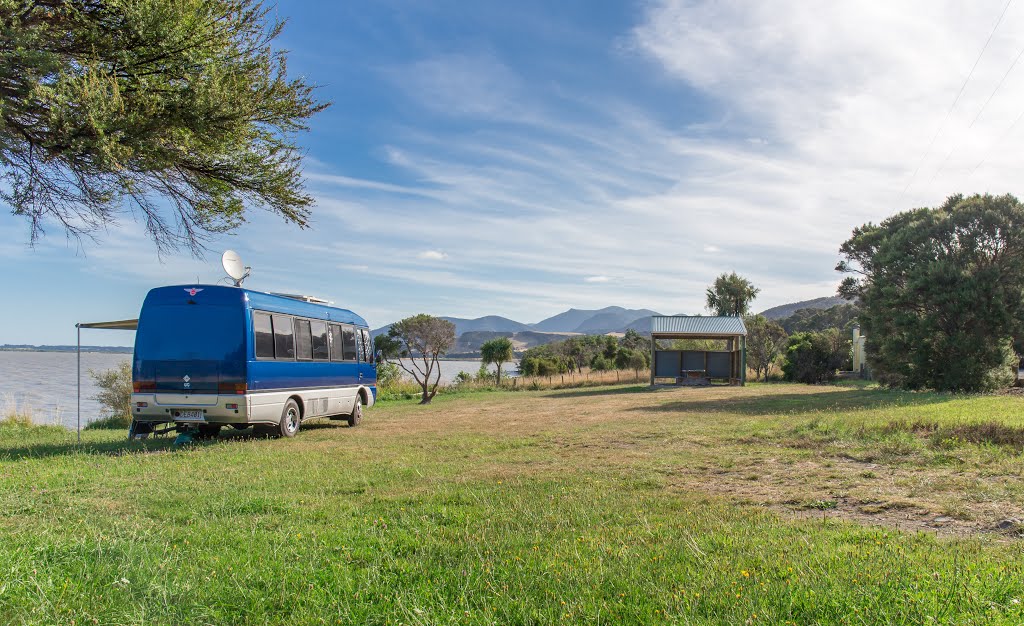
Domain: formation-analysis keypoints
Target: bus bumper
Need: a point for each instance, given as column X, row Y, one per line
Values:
column 194, row 408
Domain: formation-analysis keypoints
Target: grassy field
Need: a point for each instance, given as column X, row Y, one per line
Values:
column 768, row 504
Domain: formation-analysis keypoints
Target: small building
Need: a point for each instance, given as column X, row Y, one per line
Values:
column 694, row 366
column 860, row 359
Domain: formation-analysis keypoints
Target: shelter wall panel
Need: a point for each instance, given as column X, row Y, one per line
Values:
column 693, row 360
column 666, row 363
column 720, row 364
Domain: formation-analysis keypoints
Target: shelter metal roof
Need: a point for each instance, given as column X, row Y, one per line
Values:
column 115, row 325
column 697, row 325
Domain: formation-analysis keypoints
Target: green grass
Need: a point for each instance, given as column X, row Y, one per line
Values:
column 588, row 506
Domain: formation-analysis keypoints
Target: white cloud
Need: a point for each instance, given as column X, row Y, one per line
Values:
column 711, row 249
column 596, row 279
column 432, row 255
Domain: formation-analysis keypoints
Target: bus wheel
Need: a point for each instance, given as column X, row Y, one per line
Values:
column 356, row 415
column 290, row 419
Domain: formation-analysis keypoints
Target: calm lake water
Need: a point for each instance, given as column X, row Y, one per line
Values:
column 43, row 383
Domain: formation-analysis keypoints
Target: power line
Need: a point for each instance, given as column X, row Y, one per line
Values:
column 1001, row 81
column 959, row 93
column 997, row 142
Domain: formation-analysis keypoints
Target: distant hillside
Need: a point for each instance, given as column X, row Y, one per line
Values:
column 567, row 321
column 612, row 320
column 607, row 320
column 842, row 316
column 489, row 323
column 468, row 344
column 786, row 310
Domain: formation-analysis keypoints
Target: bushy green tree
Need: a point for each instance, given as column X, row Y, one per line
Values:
column 941, row 293
column 766, row 341
column 635, row 341
column 497, row 351
column 419, row 341
column 177, row 111
column 731, row 295
column 629, row 359
column 814, row 357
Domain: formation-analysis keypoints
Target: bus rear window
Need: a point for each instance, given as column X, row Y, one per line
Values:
column 190, row 332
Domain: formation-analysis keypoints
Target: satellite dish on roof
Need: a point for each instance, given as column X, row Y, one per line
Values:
column 234, row 267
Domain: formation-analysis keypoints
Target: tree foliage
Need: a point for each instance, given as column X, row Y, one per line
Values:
column 731, row 295
column 497, row 351
column 419, row 341
column 179, row 112
column 766, row 341
column 842, row 317
column 814, row 357
column 941, row 292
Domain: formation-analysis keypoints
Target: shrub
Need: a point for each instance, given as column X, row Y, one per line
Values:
column 115, row 395
column 814, row 357
column 113, row 422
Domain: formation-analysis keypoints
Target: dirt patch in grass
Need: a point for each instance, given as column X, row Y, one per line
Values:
column 866, row 493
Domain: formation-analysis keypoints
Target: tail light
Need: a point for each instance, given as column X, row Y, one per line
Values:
column 140, row 386
column 231, row 388
column 231, row 405
column 142, row 405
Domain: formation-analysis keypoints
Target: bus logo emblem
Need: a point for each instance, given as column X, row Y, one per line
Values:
column 193, row 291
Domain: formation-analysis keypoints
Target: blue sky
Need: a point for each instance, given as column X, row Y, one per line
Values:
column 522, row 158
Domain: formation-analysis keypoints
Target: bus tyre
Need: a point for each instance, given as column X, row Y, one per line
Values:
column 356, row 415
column 290, row 418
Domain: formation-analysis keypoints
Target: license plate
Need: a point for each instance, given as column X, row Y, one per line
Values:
column 191, row 416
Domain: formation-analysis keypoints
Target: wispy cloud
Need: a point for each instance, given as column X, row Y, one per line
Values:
column 596, row 279
column 432, row 255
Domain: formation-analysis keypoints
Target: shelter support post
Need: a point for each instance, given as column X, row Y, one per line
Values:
column 654, row 356
column 743, row 360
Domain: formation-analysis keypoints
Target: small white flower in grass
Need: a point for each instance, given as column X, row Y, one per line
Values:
column 1015, row 601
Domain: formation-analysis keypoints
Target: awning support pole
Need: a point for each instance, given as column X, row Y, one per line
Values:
column 78, row 330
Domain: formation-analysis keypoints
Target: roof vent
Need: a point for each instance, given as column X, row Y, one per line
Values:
column 310, row 299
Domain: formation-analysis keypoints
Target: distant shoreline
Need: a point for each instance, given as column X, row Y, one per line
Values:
column 97, row 349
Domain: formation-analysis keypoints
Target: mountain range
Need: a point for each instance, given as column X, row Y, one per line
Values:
column 785, row 310
column 582, row 321
column 612, row 319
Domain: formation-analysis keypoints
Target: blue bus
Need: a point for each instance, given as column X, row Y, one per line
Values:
column 209, row 356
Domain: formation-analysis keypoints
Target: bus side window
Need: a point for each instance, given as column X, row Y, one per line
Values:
column 336, row 343
column 367, row 346
column 320, row 350
column 264, row 335
column 350, row 344
column 303, row 341
column 284, row 339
